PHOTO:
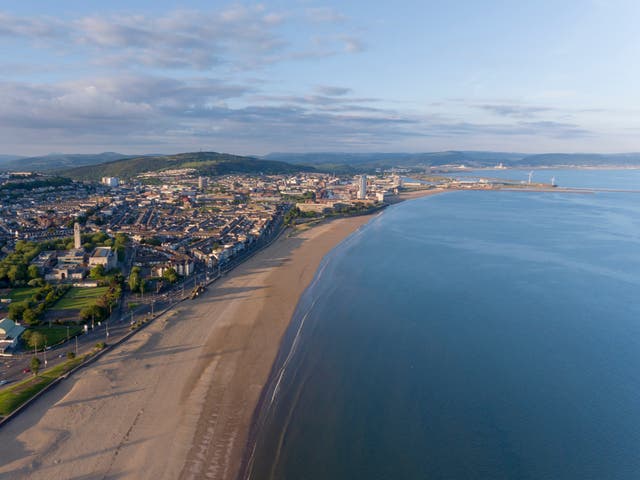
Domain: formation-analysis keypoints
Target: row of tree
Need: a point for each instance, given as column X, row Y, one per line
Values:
column 104, row 305
column 29, row 311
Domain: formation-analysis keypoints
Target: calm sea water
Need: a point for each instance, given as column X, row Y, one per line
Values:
column 469, row 335
column 623, row 179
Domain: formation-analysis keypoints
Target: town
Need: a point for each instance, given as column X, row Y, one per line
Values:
column 84, row 263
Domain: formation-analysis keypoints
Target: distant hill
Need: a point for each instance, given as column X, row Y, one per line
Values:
column 8, row 158
column 207, row 163
column 393, row 159
column 56, row 161
column 363, row 161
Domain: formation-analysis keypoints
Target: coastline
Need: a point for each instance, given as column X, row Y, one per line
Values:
column 201, row 368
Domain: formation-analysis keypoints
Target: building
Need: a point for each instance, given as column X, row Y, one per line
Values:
column 383, row 196
column 9, row 334
column 66, row 272
column 110, row 181
column 45, row 261
column 77, row 238
column 320, row 207
column 103, row 256
column 362, row 187
column 183, row 266
column 202, row 183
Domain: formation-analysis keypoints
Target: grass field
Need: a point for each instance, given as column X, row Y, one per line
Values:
column 58, row 333
column 77, row 298
column 20, row 294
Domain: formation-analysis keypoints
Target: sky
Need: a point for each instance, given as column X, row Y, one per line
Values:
column 138, row 76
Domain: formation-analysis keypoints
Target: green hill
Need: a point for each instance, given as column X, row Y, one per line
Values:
column 57, row 161
column 206, row 163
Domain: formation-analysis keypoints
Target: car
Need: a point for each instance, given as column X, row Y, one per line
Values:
column 4, row 382
column 26, row 370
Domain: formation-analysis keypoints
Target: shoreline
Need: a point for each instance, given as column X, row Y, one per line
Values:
column 200, row 369
column 294, row 279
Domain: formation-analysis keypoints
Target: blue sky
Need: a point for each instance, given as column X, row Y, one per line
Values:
column 252, row 78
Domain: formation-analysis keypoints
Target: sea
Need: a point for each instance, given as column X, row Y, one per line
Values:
column 468, row 335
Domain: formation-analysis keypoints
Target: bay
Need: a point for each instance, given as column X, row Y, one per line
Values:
column 474, row 334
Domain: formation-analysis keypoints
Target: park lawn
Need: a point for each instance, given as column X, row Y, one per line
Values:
column 23, row 293
column 15, row 395
column 58, row 333
column 78, row 297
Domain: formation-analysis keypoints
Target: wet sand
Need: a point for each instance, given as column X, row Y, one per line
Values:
column 176, row 400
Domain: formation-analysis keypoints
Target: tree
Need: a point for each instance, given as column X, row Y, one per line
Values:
column 93, row 312
column 16, row 310
column 17, row 273
column 121, row 239
column 36, row 340
column 36, row 282
column 35, row 365
column 33, row 272
column 50, row 298
column 30, row 317
column 97, row 272
column 134, row 279
column 170, row 275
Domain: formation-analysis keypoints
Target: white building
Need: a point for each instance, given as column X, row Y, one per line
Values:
column 362, row 187
column 110, row 181
column 103, row 256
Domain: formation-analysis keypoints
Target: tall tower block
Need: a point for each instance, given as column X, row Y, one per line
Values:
column 362, row 187
column 77, row 240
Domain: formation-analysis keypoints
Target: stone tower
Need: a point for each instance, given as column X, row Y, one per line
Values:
column 77, row 239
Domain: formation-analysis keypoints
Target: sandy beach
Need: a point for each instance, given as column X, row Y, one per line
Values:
column 176, row 400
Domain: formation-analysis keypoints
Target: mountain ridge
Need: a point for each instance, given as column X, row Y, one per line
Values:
column 205, row 163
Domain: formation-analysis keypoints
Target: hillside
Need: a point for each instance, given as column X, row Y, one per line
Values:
column 56, row 161
column 206, row 163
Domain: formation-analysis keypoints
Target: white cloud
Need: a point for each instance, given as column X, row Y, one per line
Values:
column 239, row 36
